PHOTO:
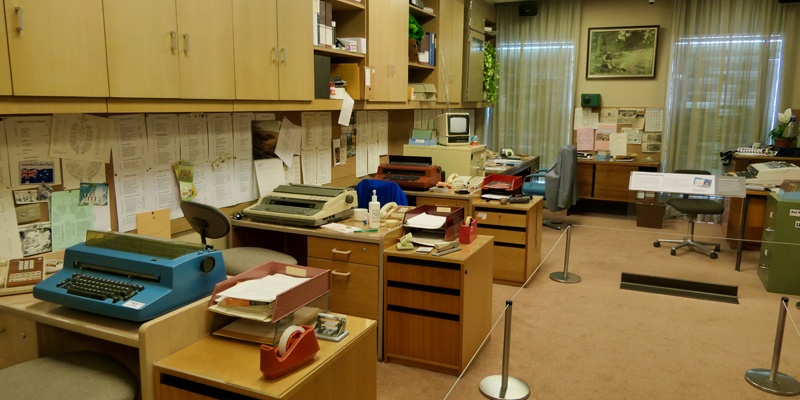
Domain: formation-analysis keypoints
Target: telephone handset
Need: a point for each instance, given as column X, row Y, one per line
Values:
column 387, row 209
column 451, row 178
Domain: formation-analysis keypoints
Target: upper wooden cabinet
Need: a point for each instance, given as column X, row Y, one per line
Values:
column 170, row 49
column 57, row 47
column 142, row 47
column 205, row 37
column 273, row 49
column 450, row 48
column 387, row 49
column 5, row 68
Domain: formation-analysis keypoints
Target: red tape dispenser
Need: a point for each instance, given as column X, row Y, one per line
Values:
column 298, row 346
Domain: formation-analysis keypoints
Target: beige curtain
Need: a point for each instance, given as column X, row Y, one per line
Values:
column 725, row 68
column 537, row 57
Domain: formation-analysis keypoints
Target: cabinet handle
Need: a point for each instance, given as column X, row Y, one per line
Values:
column 188, row 44
column 21, row 19
column 277, row 58
column 174, row 36
column 389, row 69
column 2, row 329
column 337, row 273
column 769, row 229
column 762, row 266
column 334, row 251
column 285, row 55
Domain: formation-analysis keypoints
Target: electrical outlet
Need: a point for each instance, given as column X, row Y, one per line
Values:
column 28, row 213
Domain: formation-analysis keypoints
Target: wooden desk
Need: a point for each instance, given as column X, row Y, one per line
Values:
column 526, row 167
column 608, row 180
column 138, row 345
column 214, row 367
column 355, row 260
column 741, row 162
column 438, row 309
column 753, row 216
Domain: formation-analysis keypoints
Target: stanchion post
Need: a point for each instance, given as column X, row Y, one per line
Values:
column 770, row 380
column 505, row 387
column 565, row 276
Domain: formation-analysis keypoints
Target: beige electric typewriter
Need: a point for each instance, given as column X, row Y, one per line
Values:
column 303, row 205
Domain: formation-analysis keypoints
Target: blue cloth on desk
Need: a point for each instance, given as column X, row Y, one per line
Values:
column 387, row 192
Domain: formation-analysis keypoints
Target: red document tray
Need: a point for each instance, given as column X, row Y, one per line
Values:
column 502, row 184
column 454, row 219
column 290, row 300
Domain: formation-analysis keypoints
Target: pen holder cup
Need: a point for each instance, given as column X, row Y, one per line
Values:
column 468, row 233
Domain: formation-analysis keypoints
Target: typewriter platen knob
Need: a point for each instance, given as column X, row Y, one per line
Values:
column 208, row 263
column 349, row 198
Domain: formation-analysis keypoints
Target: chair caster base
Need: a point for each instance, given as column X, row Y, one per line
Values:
column 656, row 244
column 713, row 256
column 672, row 252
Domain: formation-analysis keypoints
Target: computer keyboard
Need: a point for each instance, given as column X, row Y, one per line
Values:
column 95, row 287
column 392, row 177
column 284, row 209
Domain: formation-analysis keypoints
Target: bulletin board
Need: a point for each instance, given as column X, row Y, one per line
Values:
column 619, row 133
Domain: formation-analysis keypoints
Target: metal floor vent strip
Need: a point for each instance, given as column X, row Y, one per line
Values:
column 679, row 287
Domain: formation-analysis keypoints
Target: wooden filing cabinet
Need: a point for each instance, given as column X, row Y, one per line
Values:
column 517, row 231
column 438, row 309
column 777, row 264
column 17, row 339
column 354, row 274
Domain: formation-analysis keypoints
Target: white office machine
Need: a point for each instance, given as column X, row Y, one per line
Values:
column 461, row 160
column 770, row 173
column 452, row 129
column 303, row 205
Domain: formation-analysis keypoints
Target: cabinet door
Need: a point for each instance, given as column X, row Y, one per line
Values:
column 386, row 44
column 5, row 68
column 296, row 43
column 255, row 48
column 205, row 29
column 57, row 47
column 142, row 48
column 450, row 48
column 398, row 50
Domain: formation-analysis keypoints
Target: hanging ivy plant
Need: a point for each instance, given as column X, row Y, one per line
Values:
column 490, row 72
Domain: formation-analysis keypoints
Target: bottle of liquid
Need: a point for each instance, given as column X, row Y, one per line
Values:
column 374, row 212
column 791, row 129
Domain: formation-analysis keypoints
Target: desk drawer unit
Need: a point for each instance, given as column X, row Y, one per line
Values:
column 436, row 312
column 517, row 231
column 778, row 266
column 354, row 274
column 17, row 340
column 437, row 201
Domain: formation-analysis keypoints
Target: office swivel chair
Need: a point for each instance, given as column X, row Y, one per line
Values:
column 210, row 222
column 558, row 185
column 692, row 208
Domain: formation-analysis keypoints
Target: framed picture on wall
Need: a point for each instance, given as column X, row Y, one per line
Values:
column 622, row 52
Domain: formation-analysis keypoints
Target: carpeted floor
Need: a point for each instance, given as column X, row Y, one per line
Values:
column 592, row 340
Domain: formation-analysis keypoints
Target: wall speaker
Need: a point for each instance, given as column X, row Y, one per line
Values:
column 590, row 100
column 528, row 9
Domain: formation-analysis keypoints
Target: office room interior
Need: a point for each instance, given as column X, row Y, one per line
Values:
column 641, row 217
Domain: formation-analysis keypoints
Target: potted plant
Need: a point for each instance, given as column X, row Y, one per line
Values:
column 778, row 140
column 490, row 73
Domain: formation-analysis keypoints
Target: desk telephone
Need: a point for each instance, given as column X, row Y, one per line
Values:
column 22, row 272
column 467, row 183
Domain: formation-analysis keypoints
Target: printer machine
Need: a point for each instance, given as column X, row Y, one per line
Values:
column 303, row 205
column 132, row 277
column 771, row 173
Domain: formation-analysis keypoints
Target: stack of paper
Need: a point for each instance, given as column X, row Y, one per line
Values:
column 254, row 299
column 426, row 221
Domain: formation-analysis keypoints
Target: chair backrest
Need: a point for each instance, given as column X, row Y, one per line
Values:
column 206, row 220
column 561, row 181
column 387, row 191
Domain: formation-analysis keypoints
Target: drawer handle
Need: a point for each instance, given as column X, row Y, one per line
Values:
column 346, row 253
column 337, row 273
column 769, row 229
column 2, row 329
column 762, row 266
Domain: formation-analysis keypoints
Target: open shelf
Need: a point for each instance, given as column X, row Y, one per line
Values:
column 412, row 65
column 420, row 14
column 336, row 53
column 347, row 5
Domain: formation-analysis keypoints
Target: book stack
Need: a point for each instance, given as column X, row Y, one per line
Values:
column 323, row 15
column 254, row 299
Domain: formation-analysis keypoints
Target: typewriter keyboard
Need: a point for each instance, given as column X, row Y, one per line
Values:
column 98, row 288
column 284, row 209
column 391, row 177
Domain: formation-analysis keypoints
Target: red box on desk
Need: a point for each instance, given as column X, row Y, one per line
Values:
column 454, row 215
column 468, row 232
column 502, row 184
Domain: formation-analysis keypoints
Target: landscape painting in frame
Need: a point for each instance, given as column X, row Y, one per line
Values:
column 622, row 52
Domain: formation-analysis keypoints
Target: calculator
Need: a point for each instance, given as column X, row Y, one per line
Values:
column 25, row 271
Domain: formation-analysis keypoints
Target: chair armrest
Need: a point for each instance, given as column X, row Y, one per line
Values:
column 527, row 178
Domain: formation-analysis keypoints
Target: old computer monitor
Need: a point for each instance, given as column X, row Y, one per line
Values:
column 452, row 129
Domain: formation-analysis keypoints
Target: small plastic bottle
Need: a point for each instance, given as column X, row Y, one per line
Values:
column 791, row 129
column 374, row 211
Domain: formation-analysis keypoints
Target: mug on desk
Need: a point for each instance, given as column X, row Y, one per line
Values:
column 360, row 214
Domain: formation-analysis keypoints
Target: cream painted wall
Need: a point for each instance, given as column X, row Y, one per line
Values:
column 626, row 92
